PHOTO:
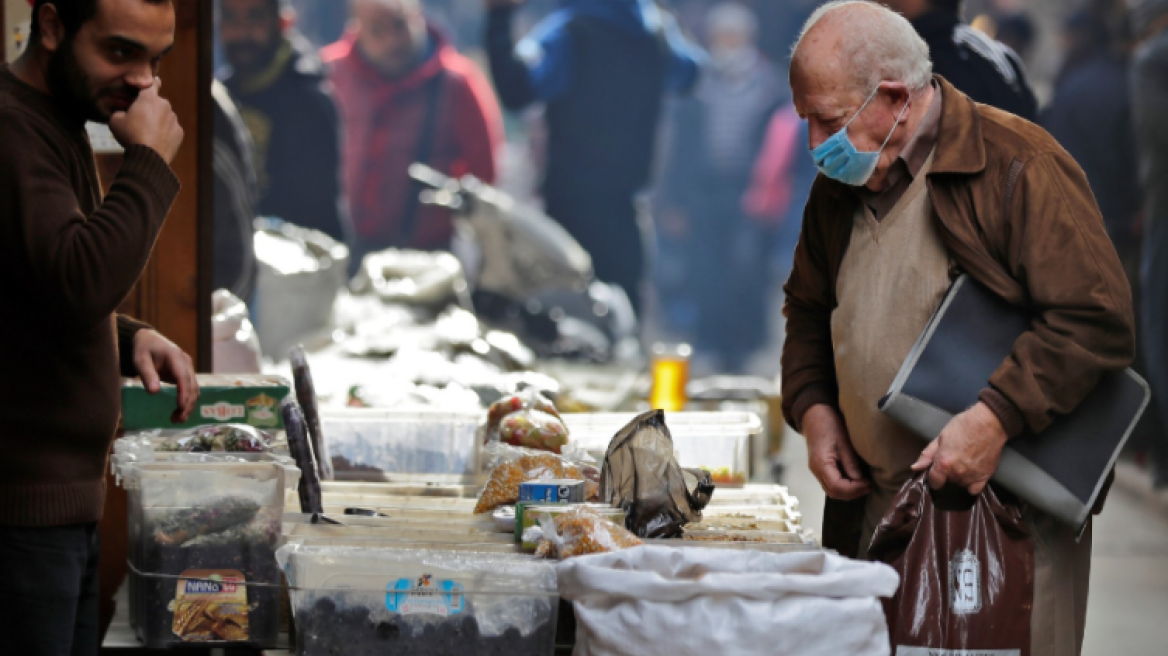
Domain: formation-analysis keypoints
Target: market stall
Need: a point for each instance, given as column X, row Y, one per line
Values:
column 437, row 531
column 428, row 449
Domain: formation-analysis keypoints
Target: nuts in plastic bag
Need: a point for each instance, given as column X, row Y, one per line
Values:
column 513, row 466
column 225, row 438
column 579, row 532
column 534, row 429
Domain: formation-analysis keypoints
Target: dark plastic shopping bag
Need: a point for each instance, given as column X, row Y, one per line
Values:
column 967, row 572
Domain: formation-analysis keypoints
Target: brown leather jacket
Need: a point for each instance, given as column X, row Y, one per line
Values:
column 1017, row 214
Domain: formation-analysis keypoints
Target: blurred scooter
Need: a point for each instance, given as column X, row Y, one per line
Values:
column 529, row 276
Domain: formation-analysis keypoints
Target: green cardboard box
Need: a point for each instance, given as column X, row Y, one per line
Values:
column 234, row 399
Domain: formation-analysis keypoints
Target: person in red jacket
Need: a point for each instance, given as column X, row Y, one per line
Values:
column 406, row 96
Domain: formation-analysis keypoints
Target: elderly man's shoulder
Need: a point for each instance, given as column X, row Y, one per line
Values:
column 1014, row 136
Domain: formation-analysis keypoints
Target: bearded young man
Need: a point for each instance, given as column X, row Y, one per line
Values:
column 68, row 258
column 284, row 98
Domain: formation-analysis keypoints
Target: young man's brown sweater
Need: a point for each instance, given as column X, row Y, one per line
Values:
column 68, row 258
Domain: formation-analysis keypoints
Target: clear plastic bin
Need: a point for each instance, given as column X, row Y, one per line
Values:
column 373, row 600
column 373, row 445
column 716, row 441
column 202, row 550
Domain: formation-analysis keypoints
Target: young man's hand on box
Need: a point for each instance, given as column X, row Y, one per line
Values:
column 160, row 360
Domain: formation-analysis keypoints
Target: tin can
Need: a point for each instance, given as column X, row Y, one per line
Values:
column 552, row 491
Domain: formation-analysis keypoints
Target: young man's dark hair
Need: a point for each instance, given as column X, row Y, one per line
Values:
column 73, row 13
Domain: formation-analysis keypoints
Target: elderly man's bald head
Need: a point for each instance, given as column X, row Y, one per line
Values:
column 859, row 44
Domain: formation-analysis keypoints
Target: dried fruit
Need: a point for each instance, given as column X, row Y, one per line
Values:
column 580, row 532
column 503, row 486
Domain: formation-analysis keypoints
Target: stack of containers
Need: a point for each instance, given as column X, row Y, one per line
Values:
column 203, row 533
column 363, row 599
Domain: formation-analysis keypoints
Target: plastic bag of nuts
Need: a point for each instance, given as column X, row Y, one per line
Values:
column 580, row 532
column 514, row 466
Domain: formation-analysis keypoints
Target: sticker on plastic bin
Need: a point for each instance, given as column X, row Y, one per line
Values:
column 211, row 605
column 425, row 596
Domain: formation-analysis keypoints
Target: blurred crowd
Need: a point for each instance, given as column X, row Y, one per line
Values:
column 662, row 133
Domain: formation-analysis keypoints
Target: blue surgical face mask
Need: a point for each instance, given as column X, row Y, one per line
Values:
column 838, row 158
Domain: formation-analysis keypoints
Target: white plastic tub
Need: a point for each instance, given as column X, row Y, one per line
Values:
column 192, row 524
column 376, row 445
column 378, row 600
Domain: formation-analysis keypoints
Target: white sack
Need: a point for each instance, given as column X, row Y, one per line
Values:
column 682, row 601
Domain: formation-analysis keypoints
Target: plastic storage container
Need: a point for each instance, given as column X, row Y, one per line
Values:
column 372, row 445
column 716, row 441
column 202, row 550
column 356, row 600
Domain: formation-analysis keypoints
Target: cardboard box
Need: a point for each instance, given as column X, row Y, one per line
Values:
column 251, row 399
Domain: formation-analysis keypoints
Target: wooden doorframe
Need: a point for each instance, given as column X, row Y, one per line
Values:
column 174, row 292
column 206, row 214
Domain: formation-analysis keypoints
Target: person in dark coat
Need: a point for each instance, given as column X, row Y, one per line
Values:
column 407, row 95
column 603, row 69
column 983, row 69
column 1149, row 85
column 278, row 81
column 1091, row 116
column 715, row 140
column 235, row 196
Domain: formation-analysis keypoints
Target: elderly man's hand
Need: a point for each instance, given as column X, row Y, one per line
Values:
column 830, row 454
column 967, row 451
column 159, row 361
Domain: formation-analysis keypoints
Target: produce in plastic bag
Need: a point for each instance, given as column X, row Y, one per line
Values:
column 967, row 566
column 641, row 476
column 528, row 419
column 579, row 532
column 225, row 438
column 514, row 466
column 535, row 430
column 527, row 399
column 213, row 517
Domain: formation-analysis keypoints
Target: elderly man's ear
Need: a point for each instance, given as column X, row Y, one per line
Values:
column 896, row 94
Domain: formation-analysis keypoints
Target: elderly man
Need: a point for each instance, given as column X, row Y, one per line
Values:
column 919, row 181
